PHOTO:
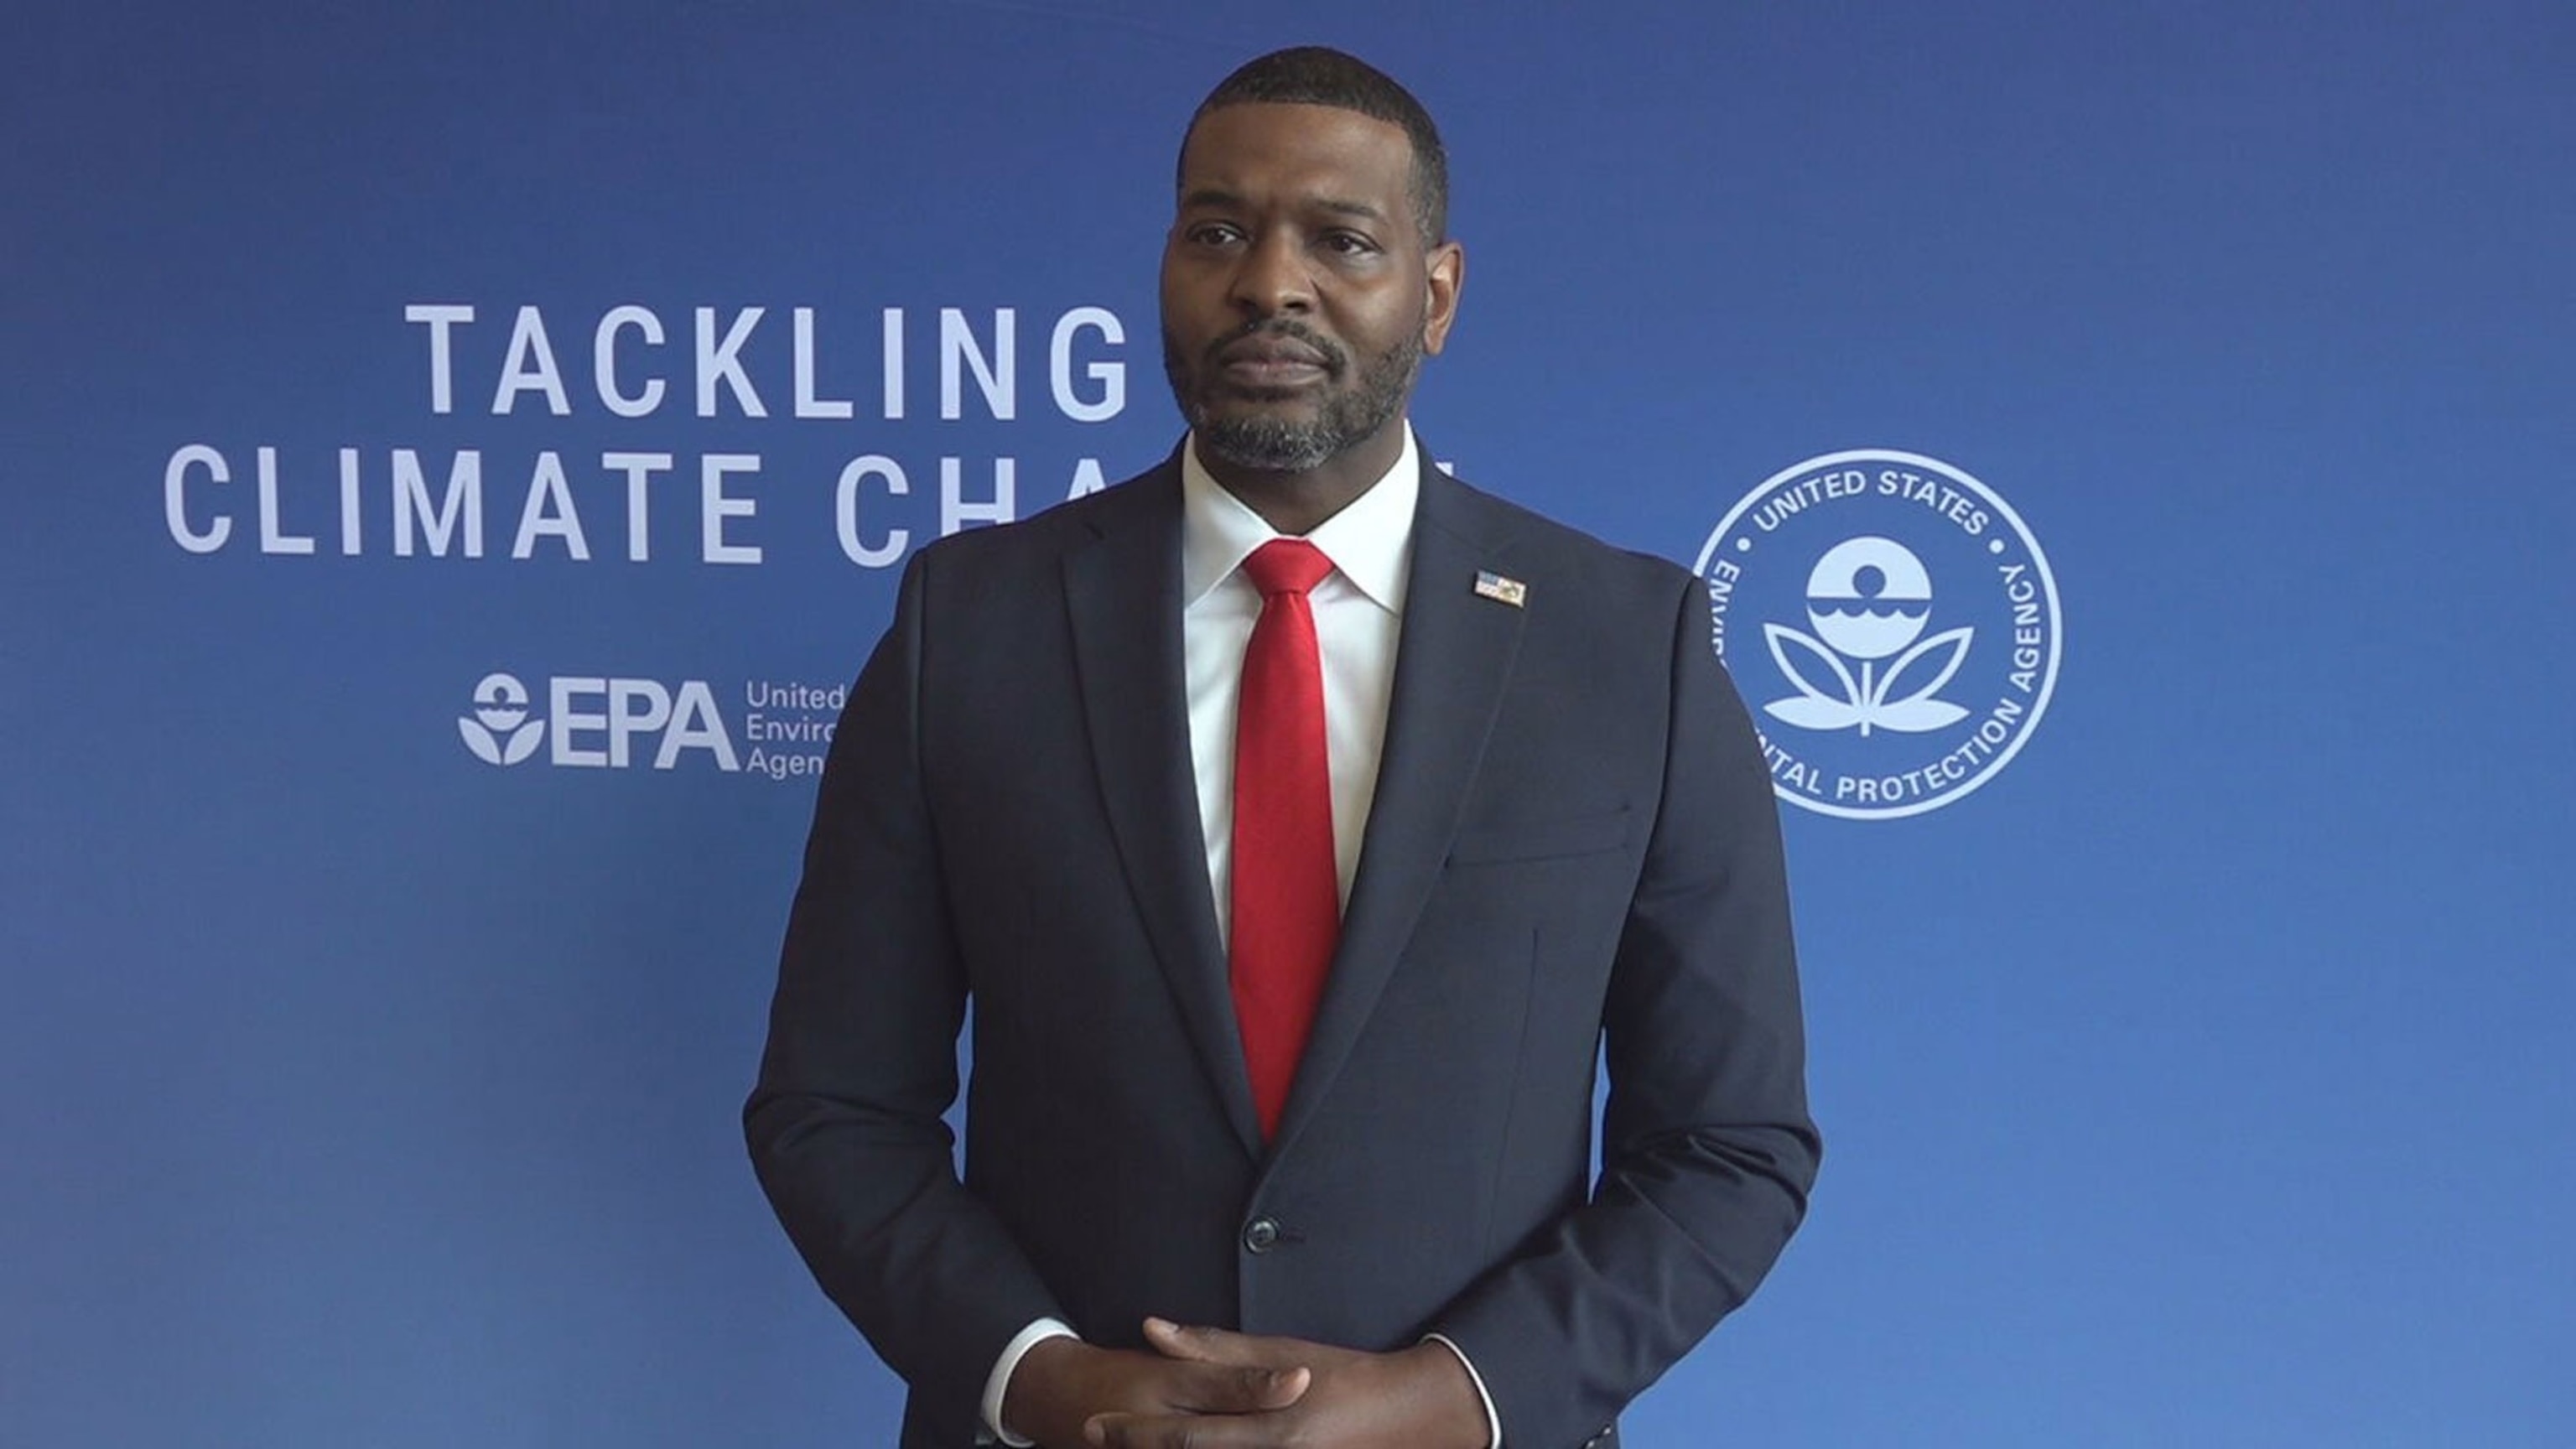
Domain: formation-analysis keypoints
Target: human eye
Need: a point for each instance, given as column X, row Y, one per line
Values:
column 1350, row 244
column 1213, row 233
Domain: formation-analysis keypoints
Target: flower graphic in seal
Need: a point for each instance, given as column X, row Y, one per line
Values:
column 1868, row 598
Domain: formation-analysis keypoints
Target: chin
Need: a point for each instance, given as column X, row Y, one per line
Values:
column 1263, row 413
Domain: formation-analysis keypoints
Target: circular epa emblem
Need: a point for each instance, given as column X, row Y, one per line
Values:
column 1891, row 623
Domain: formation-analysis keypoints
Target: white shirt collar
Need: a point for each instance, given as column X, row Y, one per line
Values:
column 1368, row 541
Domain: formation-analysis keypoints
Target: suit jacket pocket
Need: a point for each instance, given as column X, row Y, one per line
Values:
column 1545, row 838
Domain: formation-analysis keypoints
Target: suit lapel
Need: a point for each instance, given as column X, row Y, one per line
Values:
column 1452, row 660
column 1123, row 591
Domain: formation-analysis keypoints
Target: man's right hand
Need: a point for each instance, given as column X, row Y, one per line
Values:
column 1062, row 1382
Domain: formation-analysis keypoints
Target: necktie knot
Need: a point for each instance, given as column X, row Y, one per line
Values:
column 1286, row 566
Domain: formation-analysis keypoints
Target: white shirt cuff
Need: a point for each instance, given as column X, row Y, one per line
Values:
column 998, row 1383
column 1493, row 1421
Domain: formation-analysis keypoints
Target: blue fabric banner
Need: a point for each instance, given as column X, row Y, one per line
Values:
column 457, row 460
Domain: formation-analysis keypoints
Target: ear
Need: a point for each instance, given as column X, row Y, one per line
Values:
column 1446, row 277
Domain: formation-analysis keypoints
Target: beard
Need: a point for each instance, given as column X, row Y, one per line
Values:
column 1353, row 410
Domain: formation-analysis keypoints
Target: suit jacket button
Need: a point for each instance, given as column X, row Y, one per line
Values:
column 1260, row 1235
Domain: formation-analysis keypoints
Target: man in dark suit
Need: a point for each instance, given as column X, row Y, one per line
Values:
column 1303, row 826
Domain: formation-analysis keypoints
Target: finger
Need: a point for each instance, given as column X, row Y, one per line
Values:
column 1212, row 1345
column 1137, row 1431
column 1173, row 1340
column 1239, row 1388
column 1186, row 1431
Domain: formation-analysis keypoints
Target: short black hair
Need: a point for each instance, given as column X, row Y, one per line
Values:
column 1318, row 75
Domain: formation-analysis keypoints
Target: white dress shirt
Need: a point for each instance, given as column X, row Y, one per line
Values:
column 1358, row 608
column 1359, row 612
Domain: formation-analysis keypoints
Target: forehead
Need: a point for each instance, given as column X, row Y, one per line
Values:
column 1272, row 150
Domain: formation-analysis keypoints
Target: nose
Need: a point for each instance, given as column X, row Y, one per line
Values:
column 1272, row 278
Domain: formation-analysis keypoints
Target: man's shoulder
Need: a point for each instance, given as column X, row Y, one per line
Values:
column 1521, row 536
column 1139, row 501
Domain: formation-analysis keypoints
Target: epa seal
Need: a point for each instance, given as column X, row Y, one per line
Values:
column 1891, row 623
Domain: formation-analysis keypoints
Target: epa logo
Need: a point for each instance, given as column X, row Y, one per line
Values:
column 597, row 722
column 1893, row 624
column 499, row 731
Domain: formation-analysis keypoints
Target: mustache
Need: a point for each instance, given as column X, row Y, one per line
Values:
column 1336, row 361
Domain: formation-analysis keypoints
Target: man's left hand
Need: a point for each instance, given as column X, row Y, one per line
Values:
column 1415, row 1398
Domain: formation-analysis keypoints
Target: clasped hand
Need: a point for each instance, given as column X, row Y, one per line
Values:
column 1206, row 1388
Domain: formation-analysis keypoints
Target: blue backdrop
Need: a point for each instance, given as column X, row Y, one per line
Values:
column 2202, row 1078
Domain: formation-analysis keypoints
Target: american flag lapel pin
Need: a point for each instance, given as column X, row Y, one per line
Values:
column 1491, row 585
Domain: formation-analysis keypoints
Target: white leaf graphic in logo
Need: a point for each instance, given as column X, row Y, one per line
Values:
column 524, row 743
column 1919, row 711
column 491, row 751
column 1813, row 708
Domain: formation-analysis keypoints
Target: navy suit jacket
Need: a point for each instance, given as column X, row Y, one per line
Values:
column 1573, row 858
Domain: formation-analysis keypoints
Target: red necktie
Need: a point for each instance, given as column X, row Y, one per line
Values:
column 1287, row 894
